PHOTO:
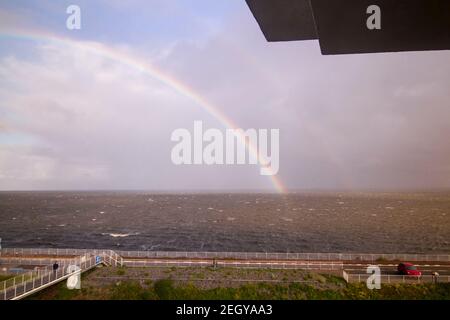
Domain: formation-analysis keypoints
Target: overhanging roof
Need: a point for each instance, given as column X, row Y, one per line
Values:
column 284, row 20
column 342, row 26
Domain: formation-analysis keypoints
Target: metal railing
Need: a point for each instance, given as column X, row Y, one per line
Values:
column 234, row 264
column 110, row 257
column 34, row 261
column 282, row 265
column 39, row 278
column 391, row 279
column 371, row 257
column 27, row 283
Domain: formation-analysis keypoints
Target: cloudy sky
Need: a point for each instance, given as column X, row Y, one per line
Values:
column 71, row 118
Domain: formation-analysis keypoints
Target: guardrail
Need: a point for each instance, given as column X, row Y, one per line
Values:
column 371, row 257
column 32, row 262
column 20, row 286
column 282, row 265
column 390, row 279
column 234, row 264
column 39, row 278
column 110, row 257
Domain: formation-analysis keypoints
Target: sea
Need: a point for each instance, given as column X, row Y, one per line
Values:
column 363, row 222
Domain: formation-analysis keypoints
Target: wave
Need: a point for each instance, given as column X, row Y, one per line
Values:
column 119, row 235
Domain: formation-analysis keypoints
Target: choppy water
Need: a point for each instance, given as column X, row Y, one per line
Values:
column 302, row 222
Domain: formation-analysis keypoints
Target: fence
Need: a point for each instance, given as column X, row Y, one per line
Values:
column 234, row 264
column 390, row 279
column 29, row 282
column 39, row 278
column 32, row 262
column 110, row 257
column 370, row 257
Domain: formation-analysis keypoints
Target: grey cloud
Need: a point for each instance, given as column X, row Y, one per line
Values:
column 359, row 121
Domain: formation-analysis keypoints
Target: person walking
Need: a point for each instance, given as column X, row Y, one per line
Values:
column 55, row 268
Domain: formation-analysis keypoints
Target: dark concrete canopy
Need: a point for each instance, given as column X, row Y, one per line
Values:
column 284, row 20
column 340, row 25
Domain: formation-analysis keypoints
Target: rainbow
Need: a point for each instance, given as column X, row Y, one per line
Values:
column 151, row 70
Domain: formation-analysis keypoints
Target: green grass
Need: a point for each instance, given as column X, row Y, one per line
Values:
column 131, row 291
column 121, row 271
column 167, row 290
column 316, row 286
column 5, row 277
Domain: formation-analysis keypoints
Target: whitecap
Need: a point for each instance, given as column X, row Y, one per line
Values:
column 119, row 235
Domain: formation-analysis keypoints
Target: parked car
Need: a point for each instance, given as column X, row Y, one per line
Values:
column 408, row 269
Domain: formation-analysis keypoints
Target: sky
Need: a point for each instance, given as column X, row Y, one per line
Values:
column 75, row 118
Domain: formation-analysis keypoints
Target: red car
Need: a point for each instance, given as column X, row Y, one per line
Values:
column 408, row 269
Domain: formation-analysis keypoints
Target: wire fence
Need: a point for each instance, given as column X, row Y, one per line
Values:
column 234, row 264
column 371, row 257
column 34, row 261
column 391, row 279
column 110, row 257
